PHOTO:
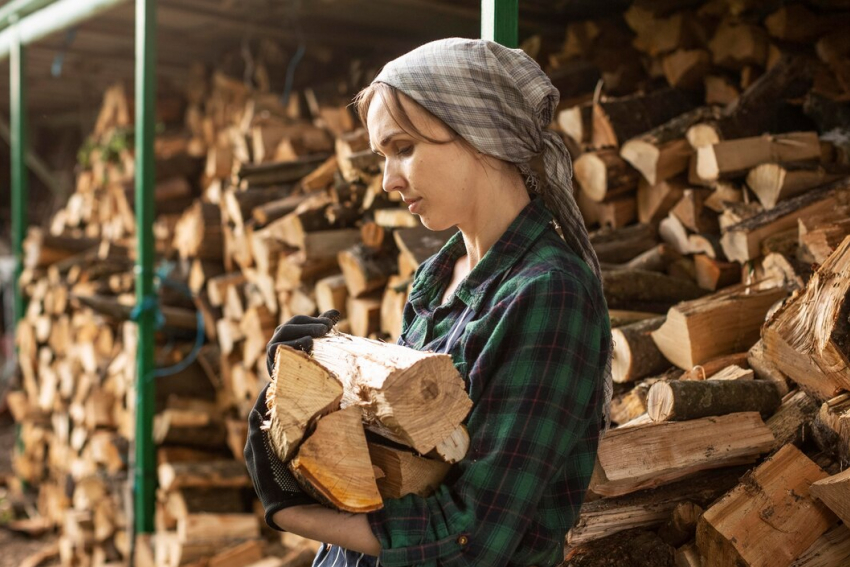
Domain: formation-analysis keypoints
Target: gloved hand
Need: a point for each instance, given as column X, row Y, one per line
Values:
column 274, row 484
column 299, row 332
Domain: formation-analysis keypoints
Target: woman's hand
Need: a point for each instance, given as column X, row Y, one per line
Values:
column 299, row 333
column 274, row 484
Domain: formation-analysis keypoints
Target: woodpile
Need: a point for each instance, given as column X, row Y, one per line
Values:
column 261, row 214
column 724, row 136
column 710, row 142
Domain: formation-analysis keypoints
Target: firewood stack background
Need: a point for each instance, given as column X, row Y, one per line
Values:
column 711, row 149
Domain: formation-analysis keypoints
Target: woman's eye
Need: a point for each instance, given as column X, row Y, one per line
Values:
column 403, row 151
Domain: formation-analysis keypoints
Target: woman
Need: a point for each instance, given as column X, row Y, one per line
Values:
column 516, row 303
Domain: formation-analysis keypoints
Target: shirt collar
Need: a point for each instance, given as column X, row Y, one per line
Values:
column 525, row 229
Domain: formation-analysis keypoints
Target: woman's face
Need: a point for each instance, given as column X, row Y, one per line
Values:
column 439, row 182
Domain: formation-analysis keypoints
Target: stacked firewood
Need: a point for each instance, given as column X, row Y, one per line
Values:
column 722, row 187
column 712, row 157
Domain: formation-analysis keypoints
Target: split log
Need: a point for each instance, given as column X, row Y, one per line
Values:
column 720, row 90
column 392, row 305
column 711, row 367
column 416, row 397
column 834, row 491
column 687, row 339
column 655, row 201
column 831, row 427
column 761, row 108
column 333, row 463
column 774, row 182
column 732, row 158
column 746, row 529
column 820, row 238
column 332, row 293
column 364, row 270
column 804, row 337
column 301, row 391
column 736, row 44
column 604, row 176
column 682, row 400
column 713, row 275
column 278, row 173
column 631, row 404
column 406, row 473
column 693, row 215
column 764, row 367
column 616, row 213
column 792, row 419
column 199, row 233
column 208, row 474
column 832, row 548
column 635, row 354
column 364, row 314
column 617, row 120
column 640, row 290
column 418, row 244
column 620, row 245
column 646, row 456
column 686, row 68
column 607, row 516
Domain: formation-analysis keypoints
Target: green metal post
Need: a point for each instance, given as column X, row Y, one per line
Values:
column 145, row 472
column 20, row 189
column 500, row 21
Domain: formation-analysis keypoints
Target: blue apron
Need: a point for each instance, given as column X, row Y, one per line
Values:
column 335, row 556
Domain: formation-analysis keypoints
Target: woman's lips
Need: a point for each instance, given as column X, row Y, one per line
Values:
column 412, row 205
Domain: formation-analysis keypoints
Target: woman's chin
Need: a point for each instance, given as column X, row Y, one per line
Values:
column 434, row 225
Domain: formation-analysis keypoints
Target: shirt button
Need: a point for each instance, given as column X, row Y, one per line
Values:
column 463, row 540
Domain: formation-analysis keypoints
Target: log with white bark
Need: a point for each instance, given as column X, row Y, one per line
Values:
column 680, row 400
column 408, row 395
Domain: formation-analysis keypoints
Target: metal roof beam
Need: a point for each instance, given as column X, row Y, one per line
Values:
column 55, row 17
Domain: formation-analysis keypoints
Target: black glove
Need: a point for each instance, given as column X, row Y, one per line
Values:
column 274, row 484
column 299, row 332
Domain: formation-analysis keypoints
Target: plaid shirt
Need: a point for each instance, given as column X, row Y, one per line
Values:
column 533, row 359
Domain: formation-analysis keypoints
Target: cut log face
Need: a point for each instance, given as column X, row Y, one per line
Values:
column 804, row 338
column 603, row 175
column 333, row 463
column 682, row 400
column 769, row 519
column 684, row 338
column 645, row 456
column 416, row 396
column 302, row 390
column 406, row 473
column 635, row 354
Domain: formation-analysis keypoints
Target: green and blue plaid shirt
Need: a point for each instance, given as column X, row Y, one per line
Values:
column 533, row 358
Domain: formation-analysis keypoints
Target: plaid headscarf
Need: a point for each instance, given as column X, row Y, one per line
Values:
column 501, row 102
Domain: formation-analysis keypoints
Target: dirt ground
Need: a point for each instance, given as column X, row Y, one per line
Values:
column 14, row 547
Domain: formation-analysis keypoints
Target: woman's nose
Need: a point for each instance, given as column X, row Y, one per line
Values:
column 393, row 177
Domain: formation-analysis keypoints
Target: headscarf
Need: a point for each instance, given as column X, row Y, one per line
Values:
column 501, row 102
